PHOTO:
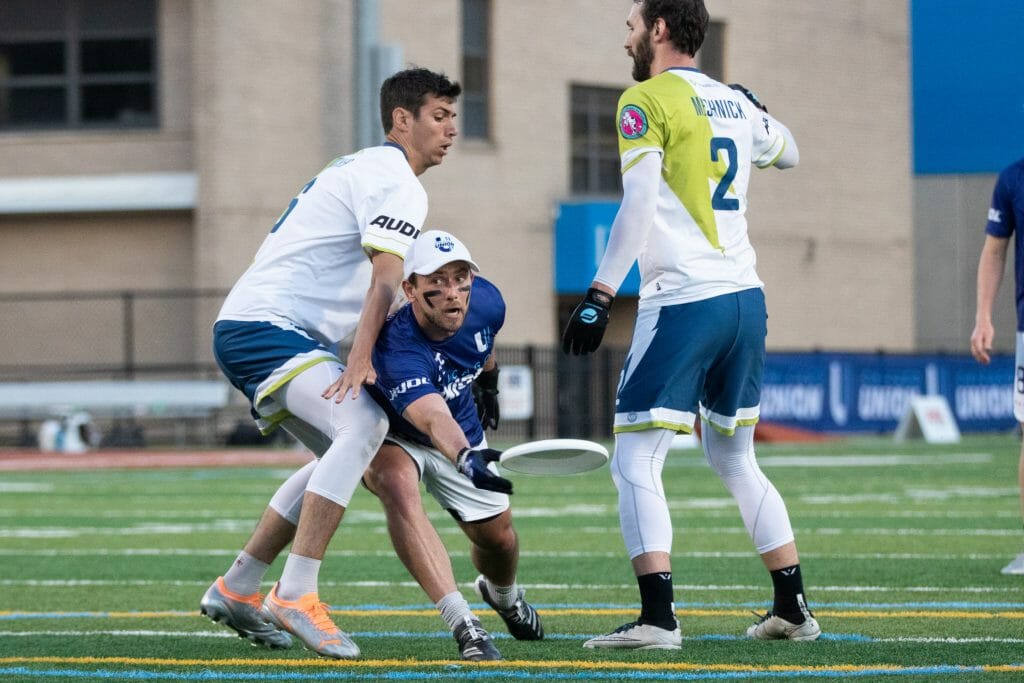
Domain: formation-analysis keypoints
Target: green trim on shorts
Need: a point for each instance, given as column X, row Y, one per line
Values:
column 656, row 424
column 272, row 421
column 746, row 422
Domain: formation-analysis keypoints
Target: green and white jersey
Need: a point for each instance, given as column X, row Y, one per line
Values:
column 708, row 136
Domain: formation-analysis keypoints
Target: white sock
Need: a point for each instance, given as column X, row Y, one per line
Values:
column 299, row 577
column 504, row 596
column 454, row 609
column 245, row 574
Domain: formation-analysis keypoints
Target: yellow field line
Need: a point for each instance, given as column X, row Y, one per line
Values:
column 518, row 663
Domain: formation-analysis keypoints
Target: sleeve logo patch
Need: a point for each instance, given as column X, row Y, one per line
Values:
column 632, row 122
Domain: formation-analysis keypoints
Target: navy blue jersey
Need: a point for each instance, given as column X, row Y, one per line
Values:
column 1005, row 216
column 410, row 366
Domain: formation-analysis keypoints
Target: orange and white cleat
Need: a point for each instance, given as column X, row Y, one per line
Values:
column 242, row 614
column 307, row 619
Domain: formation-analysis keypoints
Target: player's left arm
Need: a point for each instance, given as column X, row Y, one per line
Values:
column 385, row 278
column 790, row 155
column 774, row 144
column 485, row 394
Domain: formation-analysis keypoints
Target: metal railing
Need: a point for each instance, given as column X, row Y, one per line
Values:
column 165, row 334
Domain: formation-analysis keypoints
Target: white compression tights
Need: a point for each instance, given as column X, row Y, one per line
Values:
column 643, row 509
column 762, row 508
column 344, row 435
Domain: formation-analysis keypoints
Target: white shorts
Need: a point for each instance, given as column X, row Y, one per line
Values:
column 454, row 491
column 1018, row 380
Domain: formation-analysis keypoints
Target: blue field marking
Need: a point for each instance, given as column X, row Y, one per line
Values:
column 489, row 674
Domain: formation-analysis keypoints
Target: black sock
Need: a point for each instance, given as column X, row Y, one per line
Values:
column 789, row 594
column 656, row 606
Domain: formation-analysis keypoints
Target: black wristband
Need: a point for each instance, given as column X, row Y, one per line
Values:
column 488, row 379
column 602, row 299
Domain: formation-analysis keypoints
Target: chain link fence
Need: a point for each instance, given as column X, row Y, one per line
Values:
column 165, row 334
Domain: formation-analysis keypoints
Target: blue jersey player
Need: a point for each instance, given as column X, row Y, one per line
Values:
column 1005, row 217
column 427, row 357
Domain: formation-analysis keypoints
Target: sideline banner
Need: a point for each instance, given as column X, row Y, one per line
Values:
column 853, row 392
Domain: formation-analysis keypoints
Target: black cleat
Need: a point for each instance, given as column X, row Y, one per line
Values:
column 521, row 619
column 475, row 643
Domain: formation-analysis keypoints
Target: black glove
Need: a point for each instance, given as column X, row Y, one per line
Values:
column 586, row 326
column 473, row 464
column 750, row 96
column 485, row 395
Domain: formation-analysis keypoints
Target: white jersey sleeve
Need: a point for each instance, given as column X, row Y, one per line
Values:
column 312, row 270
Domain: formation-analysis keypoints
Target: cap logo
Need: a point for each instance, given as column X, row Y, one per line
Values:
column 632, row 122
column 444, row 243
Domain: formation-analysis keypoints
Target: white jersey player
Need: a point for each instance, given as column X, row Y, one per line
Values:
column 328, row 272
column 687, row 144
column 311, row 274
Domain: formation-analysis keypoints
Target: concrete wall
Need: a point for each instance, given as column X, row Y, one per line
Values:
column 834, row 235
column 950, row 216
column 256, row 98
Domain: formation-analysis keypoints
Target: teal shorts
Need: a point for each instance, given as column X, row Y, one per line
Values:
column 704, row 357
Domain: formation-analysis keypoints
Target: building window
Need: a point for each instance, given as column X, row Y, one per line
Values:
column 476, row 45
column 77, row 64
column 595, row 145
column 711, row 55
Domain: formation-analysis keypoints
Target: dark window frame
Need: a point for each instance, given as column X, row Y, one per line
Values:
column 74, row 82
column 595, row 145
column 476, row 68
column 711, row 55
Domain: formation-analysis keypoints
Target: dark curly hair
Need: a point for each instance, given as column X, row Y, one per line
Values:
column 686, row 20
column 409, row 89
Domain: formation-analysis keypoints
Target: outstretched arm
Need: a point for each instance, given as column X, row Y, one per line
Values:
column 430, row 415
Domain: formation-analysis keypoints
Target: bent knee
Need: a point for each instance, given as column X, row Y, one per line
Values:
column 392, row 476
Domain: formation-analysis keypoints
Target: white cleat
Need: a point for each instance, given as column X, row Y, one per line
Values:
column 637, row 636
column 772, row 627
column 1015, row 568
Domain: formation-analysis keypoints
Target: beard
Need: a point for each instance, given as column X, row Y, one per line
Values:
column 643, row 57
column 441, row 322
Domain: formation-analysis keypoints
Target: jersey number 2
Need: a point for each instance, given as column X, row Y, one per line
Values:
column 719, row 202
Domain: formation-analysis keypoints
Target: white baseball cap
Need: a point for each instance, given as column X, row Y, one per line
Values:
column 433, row 249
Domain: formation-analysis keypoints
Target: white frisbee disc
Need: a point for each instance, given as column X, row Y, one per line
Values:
column 555, row 456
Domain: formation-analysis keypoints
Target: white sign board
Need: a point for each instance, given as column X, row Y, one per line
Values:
column 515, row 392
column 931, row 418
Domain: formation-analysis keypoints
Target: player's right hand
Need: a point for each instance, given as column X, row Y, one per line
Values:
column 473, row 464
column 981, row 342
column 353, row 377
column 587, row 324
column 750, row 96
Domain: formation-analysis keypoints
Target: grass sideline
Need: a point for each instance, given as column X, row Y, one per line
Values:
column 101, row 573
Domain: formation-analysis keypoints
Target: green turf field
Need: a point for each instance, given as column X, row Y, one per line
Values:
column 101, row 574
